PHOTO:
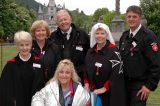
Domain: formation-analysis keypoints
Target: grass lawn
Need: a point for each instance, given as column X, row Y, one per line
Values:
column 10, row 51
column 154, row 98
column 6, row 52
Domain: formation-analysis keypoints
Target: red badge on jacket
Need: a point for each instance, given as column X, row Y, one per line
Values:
column 154, row 47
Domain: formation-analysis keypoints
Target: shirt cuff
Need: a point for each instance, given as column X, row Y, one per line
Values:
column 106, row 85
column 85, row 81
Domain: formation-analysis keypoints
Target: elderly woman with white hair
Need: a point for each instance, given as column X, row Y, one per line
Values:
column 103, row 67
column 63, row 89
column 22, row 76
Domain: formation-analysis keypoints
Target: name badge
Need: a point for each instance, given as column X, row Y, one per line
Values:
column 36, row 65
column 43, row 52
column 98, row 64
column 134, row 44
column 79, row 48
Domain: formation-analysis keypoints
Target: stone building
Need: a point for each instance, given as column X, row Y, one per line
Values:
column 48, row 13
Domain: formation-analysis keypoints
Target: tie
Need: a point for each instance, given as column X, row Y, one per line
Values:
column 67, row 45
column 131, row 36
column 65, row 36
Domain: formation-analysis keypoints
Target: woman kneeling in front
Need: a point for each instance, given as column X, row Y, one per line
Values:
column 63, row 89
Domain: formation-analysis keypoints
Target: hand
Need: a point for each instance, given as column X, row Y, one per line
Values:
column 86, row 87
column 100, row 91
column 143, row 93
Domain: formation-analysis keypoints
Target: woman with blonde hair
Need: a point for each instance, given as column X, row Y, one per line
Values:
column 63, row 89
column 44, row 47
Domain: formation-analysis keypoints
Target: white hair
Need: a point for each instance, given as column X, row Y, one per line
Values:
column 22, row 36
column 103, row 26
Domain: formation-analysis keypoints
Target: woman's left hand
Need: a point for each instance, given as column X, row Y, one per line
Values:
column 100, row 91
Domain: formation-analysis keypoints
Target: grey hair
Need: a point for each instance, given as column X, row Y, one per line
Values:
column 22, row 36
column 62, row 11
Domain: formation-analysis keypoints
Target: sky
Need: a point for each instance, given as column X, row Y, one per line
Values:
column 89, row 6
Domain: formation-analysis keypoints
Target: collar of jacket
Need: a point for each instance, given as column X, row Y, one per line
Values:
column 103, row 50
column 139, row 35
column 19, row 61
column 48, row 42
column 74, row 28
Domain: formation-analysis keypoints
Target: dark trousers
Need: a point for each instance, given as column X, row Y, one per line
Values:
column 132, row 89
column 134, row 100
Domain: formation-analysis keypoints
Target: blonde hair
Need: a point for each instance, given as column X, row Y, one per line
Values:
column 37, row 24
column 22, row 36
column 66, row 63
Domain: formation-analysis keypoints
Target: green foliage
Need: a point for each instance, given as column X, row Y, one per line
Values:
column 81, row 20
column 86, row 22
column 100, row 12
column 123, row 17
column 28, row 4
column 151, row 11
column 77, row 18
column 154, row 97
column 108, row 17
column 14, row 18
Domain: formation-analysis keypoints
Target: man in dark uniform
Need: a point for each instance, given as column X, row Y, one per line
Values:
column 140, row 53
column 72, row 41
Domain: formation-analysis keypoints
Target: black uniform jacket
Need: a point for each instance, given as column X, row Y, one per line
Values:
column 19, row 81
column 50, row 57
column 108, row 62
column 141, row 58
column 79, row 44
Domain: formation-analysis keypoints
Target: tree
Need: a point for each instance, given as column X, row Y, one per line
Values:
column 151, row 11
column 109, row 17
column 14, row 18
column 100, row 12
column 81, row 20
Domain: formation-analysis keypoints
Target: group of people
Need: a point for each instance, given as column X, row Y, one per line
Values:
column 62, row 68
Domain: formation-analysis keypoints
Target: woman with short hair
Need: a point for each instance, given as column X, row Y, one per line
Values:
column 22, row 76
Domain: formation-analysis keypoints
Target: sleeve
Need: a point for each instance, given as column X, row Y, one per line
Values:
column 85, row 75
column 152, row 57
column 85, row 45
column 85, row 81
column 81, row 97
column 39, row 79
column 106, row 85
column 116, row 82
column 7, row 86
column 39, row 98
column 57, row 57
column 120, row 41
